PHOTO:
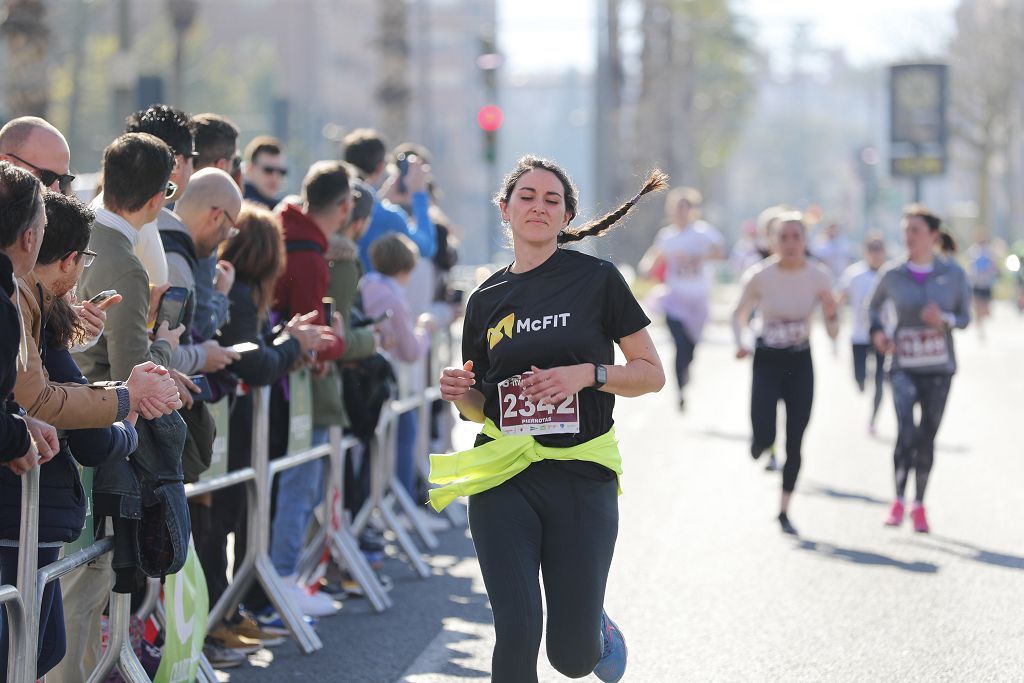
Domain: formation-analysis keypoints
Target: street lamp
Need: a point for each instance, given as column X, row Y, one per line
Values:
column 183, row 15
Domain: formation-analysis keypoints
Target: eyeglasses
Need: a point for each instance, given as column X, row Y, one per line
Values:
column 271, row 170
column 46, row 176
column 171, row 188
column 88, row 256
column 233, row 231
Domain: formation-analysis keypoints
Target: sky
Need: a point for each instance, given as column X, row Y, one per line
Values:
column 539, row 35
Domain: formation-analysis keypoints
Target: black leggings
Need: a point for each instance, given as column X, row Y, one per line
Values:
column 561, row 517
column 860, row 372
column 685, row 346
column 781, row 374
column 915, row 442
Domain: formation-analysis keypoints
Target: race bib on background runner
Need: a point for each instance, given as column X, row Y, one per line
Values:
column 519, row 415
column 782, row 334
column 918, row 347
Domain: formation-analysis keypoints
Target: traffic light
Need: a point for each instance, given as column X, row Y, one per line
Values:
column 489, row 118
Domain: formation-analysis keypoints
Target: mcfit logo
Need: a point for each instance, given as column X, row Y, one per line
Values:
column 501, row 330
column 505, row 326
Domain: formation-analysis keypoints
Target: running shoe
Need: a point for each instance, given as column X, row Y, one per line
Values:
column 311, row 604
column 772, row 465
column 612, row 665
column 221, row 657
column 895, row 517
column 787, row 526
column 920, row 521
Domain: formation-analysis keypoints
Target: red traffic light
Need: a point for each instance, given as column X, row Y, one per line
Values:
column 490, row 117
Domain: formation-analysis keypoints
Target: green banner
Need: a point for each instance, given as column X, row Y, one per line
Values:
column 87, row 538
column 186, row 604
column 219, row 460
column 300, row 424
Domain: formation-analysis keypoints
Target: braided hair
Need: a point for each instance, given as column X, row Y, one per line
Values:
column 655, row 182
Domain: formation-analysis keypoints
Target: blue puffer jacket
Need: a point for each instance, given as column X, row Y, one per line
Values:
column 62, row 501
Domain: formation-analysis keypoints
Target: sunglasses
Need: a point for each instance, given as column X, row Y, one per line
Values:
column 46, row 176
column 88, row 256
column 171, row 188
column 233, row 231
column 271, row 170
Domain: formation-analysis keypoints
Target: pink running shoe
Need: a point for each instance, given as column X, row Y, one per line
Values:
column 920, row 521
column 895, row 517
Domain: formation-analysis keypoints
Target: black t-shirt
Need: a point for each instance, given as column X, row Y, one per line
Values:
column 566, row 311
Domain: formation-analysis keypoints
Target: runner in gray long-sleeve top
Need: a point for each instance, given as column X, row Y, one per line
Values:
column 932, row 297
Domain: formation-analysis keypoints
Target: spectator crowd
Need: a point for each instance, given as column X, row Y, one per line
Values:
column 185, row 280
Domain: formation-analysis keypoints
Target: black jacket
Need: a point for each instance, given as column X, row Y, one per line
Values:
column 61, row 498
column 14, row 438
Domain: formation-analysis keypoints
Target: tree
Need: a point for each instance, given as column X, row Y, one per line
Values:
column 393, row 90
column 987, row 65
column 27, row 35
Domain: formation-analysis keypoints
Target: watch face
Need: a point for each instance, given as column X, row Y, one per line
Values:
column 602, row 374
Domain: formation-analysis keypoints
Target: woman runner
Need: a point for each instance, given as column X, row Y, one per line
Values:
column 542, row 479
column 784, row 289
column 932, row 296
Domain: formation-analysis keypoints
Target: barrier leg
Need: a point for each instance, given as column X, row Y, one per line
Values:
column 28, row 568
column 246, row 572
column 407, row 505
column 412, row 551
column 119, row 651
column 17, row 652
column 149, row 603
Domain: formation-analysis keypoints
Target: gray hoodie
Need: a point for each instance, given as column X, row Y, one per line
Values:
column 923, row 350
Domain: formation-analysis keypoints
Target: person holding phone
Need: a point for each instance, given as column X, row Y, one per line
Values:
column 538, row 344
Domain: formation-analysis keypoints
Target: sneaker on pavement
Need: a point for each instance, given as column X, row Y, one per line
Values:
column 221, row 657
column 772, row 465
column 249, row 630
column 895, row 517
column 787, row 526
column 612, row 665
column 311, row 604
column 270, row 621
column 225, row 636
column 920, row 521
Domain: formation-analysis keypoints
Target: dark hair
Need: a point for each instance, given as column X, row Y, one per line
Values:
column 948, row 243
column 171, row 125
column 257, row 253
column 920, row 211
column 136, row 166
column 21, row 200
column 365, row 149
column 408, row 148
column 362, row 200
column 326, row 183
column 262, row 144
column 216, row 138
column 656, row 181
column 68, row 227
column 393, row 254
column 64, row 327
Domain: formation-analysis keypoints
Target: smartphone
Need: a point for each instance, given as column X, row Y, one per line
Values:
column 402, row 161
column 102, row 296
column 328, row 302
column 373, row 321
column 244, row 347
column 172, row 307
column 204, row 393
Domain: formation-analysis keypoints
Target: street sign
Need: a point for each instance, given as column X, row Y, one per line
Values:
column 917, row 119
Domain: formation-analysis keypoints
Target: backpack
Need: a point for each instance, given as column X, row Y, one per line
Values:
column 365, row 386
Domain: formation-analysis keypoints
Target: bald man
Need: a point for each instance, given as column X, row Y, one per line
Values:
column 201, row 220
column 36, row 146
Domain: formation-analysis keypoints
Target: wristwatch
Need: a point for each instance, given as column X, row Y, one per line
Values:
column 600, row 376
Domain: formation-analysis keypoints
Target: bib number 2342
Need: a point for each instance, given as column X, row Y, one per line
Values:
column 520, row 415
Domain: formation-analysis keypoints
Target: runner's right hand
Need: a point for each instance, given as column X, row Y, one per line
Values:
column 882, row 342
column 743, row 352
column 456, row 382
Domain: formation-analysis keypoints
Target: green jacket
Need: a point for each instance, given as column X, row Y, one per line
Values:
column 345, row 271
column 478, row 469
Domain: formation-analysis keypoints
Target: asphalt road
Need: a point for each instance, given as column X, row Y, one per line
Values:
column 704, row 585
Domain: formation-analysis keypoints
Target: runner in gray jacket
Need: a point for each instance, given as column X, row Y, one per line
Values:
column 931, row 296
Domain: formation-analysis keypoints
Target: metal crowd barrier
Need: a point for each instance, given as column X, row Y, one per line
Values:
column 338, row 536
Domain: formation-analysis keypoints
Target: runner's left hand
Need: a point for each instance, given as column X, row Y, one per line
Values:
column 931, row 315
column 555, row 384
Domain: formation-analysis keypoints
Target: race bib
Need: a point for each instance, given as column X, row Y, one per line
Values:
column 782, row 334
column 520, row 415
column 918, row 347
